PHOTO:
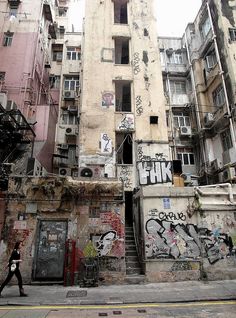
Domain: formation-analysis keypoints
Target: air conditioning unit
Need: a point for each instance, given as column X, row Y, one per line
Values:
column 209, row 119
column 69, row 95
column 215, row 164
column 86, row 172
column 65, row 172
column 3, row 100
column 186, row 177
column 72, row 108
column 63, row 146
column 185, row 131
column 228, row 174
column 71, row 131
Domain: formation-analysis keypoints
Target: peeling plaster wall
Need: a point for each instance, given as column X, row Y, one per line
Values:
column 100, row 74
column 95, row 221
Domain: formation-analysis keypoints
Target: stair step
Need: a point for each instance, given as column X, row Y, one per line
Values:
column 132, row 271
column 131, row 253
column 135, row 279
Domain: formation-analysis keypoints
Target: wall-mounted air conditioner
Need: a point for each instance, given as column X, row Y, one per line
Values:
column 86, row 172
column 186, row 177
column 65, row 172
column 216, row 164
column 72, row 108
column 185, row 131
column 69, row 95
column 208, row 119
column 71, row 131
column 63, row 146
column 228, row 174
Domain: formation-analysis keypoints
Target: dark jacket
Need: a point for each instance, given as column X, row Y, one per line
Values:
column 15, row 256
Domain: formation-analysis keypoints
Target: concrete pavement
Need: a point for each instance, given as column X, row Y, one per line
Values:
column 121, row 294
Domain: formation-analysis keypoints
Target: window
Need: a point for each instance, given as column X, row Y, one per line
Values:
column 186, row 156
column 124, row 148
column 71, row 83
column 2, row 76
column 68, row 118
column 120, row 12
column 57, row 56
column 62, row 11
column 181, row 119
column 121, row 51
column 55, row 81
column 73, row 53
column 211, row 60
column 7, row 40
column 178, row 87
column 218, row 96
column 205, row 27
column 123, row 96
column 176, row 58
column 13, row 11
column 232, row 34
column 226, row 140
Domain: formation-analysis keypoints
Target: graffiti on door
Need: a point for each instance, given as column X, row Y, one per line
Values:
column 51, row 250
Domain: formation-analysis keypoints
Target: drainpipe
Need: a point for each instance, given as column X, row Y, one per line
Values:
column 199, row 127
column 232, row 133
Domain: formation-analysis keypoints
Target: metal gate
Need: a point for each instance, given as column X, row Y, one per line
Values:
column 50, row 250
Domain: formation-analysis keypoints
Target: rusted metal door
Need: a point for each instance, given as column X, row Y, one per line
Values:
column 50, row 250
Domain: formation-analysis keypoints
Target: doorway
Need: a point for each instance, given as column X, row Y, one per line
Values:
column 128, row 208
column 50, row 250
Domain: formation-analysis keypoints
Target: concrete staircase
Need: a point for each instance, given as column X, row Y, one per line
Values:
column 133, row 268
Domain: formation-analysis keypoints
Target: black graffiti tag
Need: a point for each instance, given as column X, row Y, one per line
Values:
column 171, row 216
column 139, row 107
column 136, row 63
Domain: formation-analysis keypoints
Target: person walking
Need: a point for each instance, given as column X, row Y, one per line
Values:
column 13, row 265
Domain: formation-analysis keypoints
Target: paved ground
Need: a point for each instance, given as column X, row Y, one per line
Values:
column 121, row 294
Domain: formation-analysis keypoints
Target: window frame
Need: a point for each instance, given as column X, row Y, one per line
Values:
column 218, row 96
column 186, row 155
column 177, row 118
column 8, row 38
column 73, row 51
column 70, row 86
column 232, row 34
column 226, row 139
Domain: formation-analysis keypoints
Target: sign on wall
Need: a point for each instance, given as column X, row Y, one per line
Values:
column 153, row 172
column 108, row 99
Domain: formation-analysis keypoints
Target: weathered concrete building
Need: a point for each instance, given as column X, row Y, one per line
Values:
column 116, row 194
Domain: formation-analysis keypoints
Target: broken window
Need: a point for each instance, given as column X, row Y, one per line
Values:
column 120, row 12
column 123, row 96
column 124, row 148
column 121, row 51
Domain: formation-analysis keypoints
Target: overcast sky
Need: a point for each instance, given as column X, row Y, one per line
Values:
column 172, row 15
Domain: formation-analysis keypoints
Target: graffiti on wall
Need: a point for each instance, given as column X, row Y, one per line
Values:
column 136, row 61
column 125, row 176
column 153, row 172
column 106, row 143
column 127, row 122
column 139, row 107
column 164, row 239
